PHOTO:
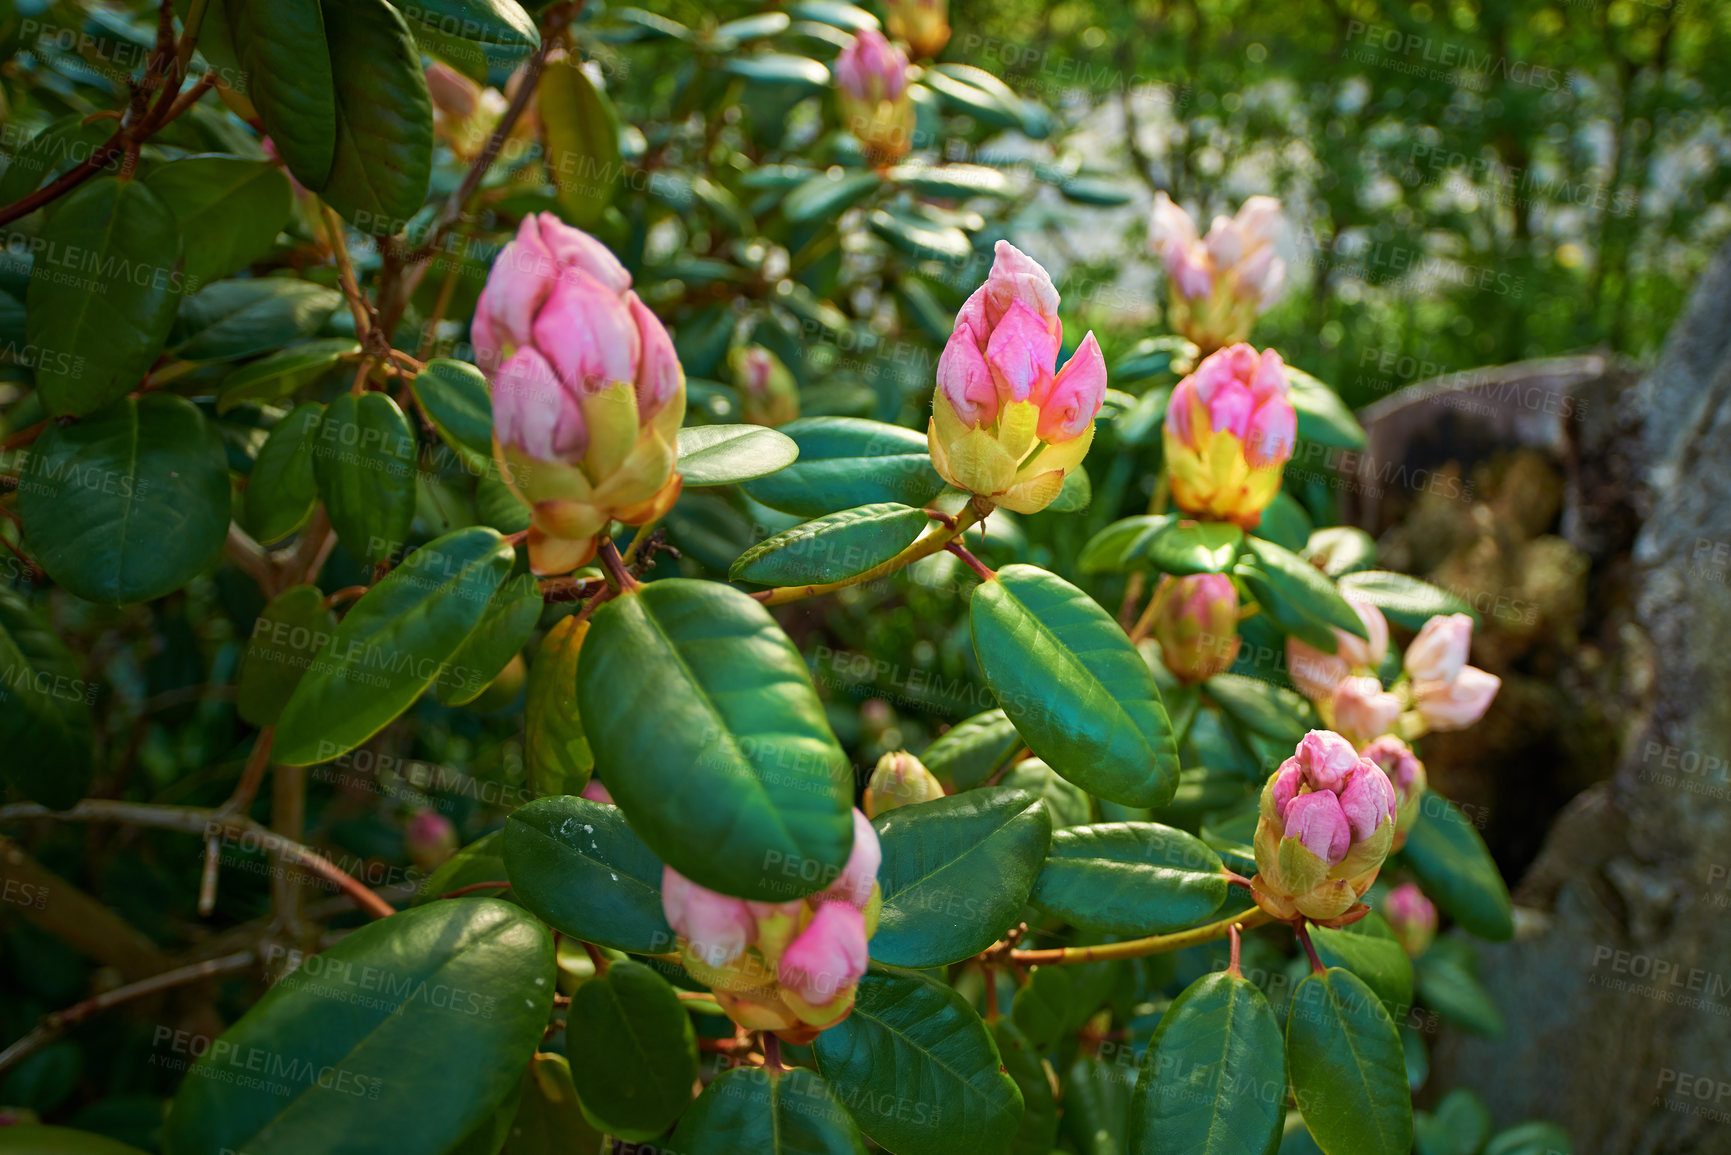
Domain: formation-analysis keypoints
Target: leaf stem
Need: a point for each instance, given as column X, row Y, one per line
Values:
column 1138, row 947
column 1316, row 966
column 925, row 547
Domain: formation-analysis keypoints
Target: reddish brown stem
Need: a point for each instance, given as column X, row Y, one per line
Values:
column 475, row 886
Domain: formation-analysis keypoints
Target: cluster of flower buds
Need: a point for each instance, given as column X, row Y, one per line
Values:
column 872, row 77
column 786, row 967
column 588, row 394
column 464, row 113
column 924, row 25
column 1344, row 685
column 1006, row 425
column 768, row 393
column 1447, row 693
column 1406, row 774
column 1219, row 284
column 900, row 779
column 1230, row 430
column 1327, row 822
column 1196, row 624
column 1411, row 916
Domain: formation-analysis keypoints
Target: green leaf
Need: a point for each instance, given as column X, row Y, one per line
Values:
column 955, row 873
column 636, row 1057
column 973, row 749
column 352, row 1053
column 511, row 617
column 1456, row 870
column 1195, row 547
column 281, row 490
column 58, row 147
column 230, row 210
column 582, row 869
column 846, row 462
column 1098, row 191
column 1129, row 878
column 1369, row 950
column 729, row 454
column 46, row 726
column 29, row 1139
column 1077, row 494
column 392, row 645
column 284, row 371
column 281, row 48
column 1213, row 1079
column 951, row 181
column 364, row 463
column 1341, row 549
column 1348, row 1076
column 1097, row 1100
column 1068, row 803
column 921, row 237
column 1293, row 590
column 482, row 21
column 778, row 69
column 233, row 319
column 831, row 548
column 715, row 741
column 1045, row 1008
column 791, row 1112
column 1284, row 522
column 102, row 294
column 549, row 1120
column 1078, row 692
column 1403, row 600
column 582, row 135
column 454, row 397
column 1123, row 543
column 1039, row 1128
column 383, row 160
column 1531, row 1138
column 917, row 1070
column 1262, row 708
column 292, row 628
column 961, row 89
column 824, row 197
column 1322, row 417
column 480, row 861
column 556, row 751
column 128, row 504
column 1448, row 985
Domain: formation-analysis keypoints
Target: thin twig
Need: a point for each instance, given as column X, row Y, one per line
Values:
column 972, row 562
column 475, row 886
column 1136, row 948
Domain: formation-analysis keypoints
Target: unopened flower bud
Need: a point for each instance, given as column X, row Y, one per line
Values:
column 1326, row 824
column 596, row 791
column 924, row 24
column 899, row 780
column 1230, row 429
column 464, row 113
column 768, row 393
column 1441, row 648
column 1316, row 674
column 714, row 928
column 820, row 968
column 1448, row 693
column 1197, row 625
column 430, row 837
column 1004, row 424
column 854, row 886
column 1218, row 285
column 1406, row 774
column 1411, row 916
column 872, row 77
column 1361, row 709
column 588, row 395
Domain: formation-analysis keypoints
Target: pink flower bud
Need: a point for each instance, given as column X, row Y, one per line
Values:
column 1077, row 391
column 1230, row 429
column 861, row 872
column 1325, row 759
column 899, row 780
column 1362, row 709
column 1367, row 799
column 1458, row 704
column 1197, row 625
column 1441, row 648
column 430, row 837
column 1218, row 284
column 1315, row 673
column 1396, row 759
column 871, row 69
column 596, row 792
column 1411, row 916
column 1317, row 820
column 828, row 957
column 716, row 927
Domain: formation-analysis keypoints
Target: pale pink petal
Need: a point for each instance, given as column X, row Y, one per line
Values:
column 1317, row 820
column 966, row 380
column 717, row 928
column 588, row 334
column 531, row 410
column 1458, row 704
column 574, row 249
column 827, row 957
column 1326, row 758
column 1076, row 394
column 1271, row 433
column 1367, row 800
column 1016, row 276
column 861, row 872
column 1441, row 648
column 659, row 375
column 1315, row 673
column 1021, row 353
column 1229, row 410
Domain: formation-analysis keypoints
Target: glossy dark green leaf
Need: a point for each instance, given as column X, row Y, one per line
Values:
column 729, row 454
column 635, row 1054
column 230, row 211
column 831, row 548
column 1465, row 1120
column 1078, row 692
column 102, row 294
column 364, row 463
column 917, row 1069
column 480, row 861
column 1124, row 544
column 960, row 90
column 823, row 197
column 383, row 159
column 1322, row 417
column 281, row 48
column 392, row 645
column 46, row 727
column 1457, row 871
column 1213, row 1079
column 921, row 237
column 1097, row 1100
column 453, row 395
column 1077, row 494
column 228, row 320
column 1294, row 595
column 1195, row 547
column 1039, row 1127
column 778, row 69
column 582, row 135
column 1068, row 803
column 951, row 181
column 1403, row 600
column 579, row 865
column 481, row 21
column 498, row 507
column 284, row 372
column 292, row 628
column 973, row 749
column 1347, row 1073
column 1129, row 878
column 1045, row 1008
column 1262, row 707
column 1096, row 191
column 549, row 1119
column 556, row 751
column 714, row 740
column 1369, row 950
column 281, row 490
column 1285, row 523
column 791, row 1112
column 955, row 873
column 1448, row 984
column 127, row 504
column 59, row 146
column 846, row 462
column 836, row 13
column 352, row 1053
column 511, row 617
